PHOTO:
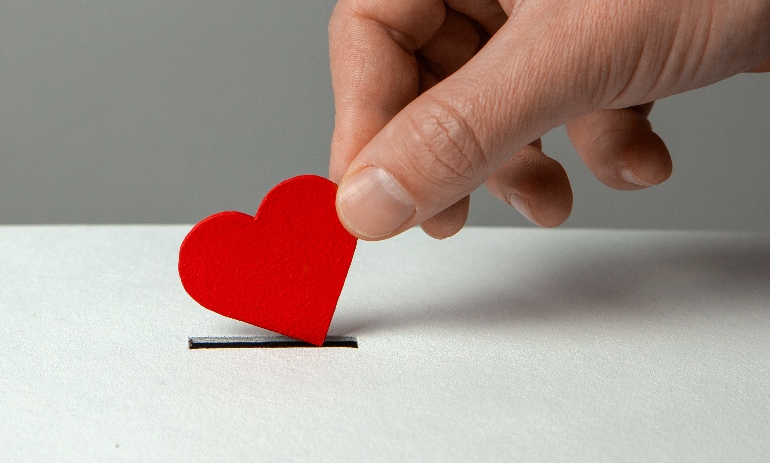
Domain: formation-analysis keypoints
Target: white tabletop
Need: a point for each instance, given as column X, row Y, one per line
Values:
column 494, row 345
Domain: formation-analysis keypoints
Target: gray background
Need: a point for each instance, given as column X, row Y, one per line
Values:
column 164, row 111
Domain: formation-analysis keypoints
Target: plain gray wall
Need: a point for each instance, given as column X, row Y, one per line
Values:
column 164, row 111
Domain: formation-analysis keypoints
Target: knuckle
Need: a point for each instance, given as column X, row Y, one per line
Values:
column 445, row 148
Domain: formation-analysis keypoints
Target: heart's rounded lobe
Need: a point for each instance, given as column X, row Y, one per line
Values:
column 282, row 270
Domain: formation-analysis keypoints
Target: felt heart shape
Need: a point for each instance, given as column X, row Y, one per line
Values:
column 282, row 269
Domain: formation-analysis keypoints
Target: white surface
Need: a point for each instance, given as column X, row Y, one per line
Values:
column 495, row 345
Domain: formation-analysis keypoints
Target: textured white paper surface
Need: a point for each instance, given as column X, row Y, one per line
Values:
column 494, row 345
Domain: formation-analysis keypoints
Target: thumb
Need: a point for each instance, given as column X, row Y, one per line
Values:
column 446, row 142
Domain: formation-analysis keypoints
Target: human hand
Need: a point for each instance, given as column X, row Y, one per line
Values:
column 435, row 98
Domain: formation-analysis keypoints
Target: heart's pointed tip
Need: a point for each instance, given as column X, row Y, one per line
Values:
column 316, row 340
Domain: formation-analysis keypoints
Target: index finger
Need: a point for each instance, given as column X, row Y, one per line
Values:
column 373, row 66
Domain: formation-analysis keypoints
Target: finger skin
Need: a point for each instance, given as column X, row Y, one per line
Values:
column 643, row 109
column 374, row 70
column 534, row 184
column 373, row 67
column 450, row 47
column 449, row 221
column 762, row 67
column 620, row 148
column 453, row 44
column 488, row 13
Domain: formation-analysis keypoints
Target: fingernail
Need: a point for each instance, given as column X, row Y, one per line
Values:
column 522, row 205
column 373, row 204
column 628, row 175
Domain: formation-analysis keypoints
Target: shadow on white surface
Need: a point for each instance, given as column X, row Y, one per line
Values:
column 646, row 278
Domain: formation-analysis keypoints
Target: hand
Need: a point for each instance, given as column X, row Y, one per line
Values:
column 435, row 98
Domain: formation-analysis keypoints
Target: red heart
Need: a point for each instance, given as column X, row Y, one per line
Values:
column 282, row 269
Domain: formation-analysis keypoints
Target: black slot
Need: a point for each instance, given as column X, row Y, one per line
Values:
column 240, row 342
